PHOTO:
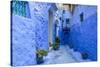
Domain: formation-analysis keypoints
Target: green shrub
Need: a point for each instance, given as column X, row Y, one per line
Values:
column 55, row 46
column 57, row 40
column 41, row 52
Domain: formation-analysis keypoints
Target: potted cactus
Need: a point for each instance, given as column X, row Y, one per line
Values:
column 39, row 55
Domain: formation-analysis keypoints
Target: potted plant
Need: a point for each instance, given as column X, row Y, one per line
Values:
column 84, row 55
column 57, row 40
column 39, row 55
column 56, row 44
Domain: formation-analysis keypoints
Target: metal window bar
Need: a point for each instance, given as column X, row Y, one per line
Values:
column 19, row 8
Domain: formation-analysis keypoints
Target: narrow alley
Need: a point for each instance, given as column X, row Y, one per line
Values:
column 52, row 33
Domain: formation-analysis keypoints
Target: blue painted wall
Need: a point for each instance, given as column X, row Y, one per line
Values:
column 23, row 41
column 41, row 28
column 66, row 35
column 30, row 34
column 41, row 15
column 83, row 35
column 62, row 35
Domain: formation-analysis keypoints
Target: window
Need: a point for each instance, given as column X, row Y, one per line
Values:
column 81, row 17
column 67, row 21
column 20, row 8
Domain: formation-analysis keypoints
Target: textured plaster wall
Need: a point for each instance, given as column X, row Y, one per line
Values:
column 83, row 35
column 23, row 41
column 30, row 34
column 40, row 11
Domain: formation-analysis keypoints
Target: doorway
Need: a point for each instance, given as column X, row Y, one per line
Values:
column 50, row 28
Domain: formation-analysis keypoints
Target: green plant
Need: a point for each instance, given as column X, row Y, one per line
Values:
column 39, row 55
column 57, row 40
column 56, row 44
column 41, row 52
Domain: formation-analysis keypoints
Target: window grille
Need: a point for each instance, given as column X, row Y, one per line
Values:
column 20, row 8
